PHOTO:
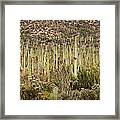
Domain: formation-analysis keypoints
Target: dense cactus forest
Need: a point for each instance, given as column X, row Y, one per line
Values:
column 59, row 60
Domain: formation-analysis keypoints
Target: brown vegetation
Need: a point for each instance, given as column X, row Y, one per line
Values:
column 59, row 60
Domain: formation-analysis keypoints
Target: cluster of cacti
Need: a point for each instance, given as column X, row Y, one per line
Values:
column 62, row 67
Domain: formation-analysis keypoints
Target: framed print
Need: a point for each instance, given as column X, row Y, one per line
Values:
column 60, row 59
